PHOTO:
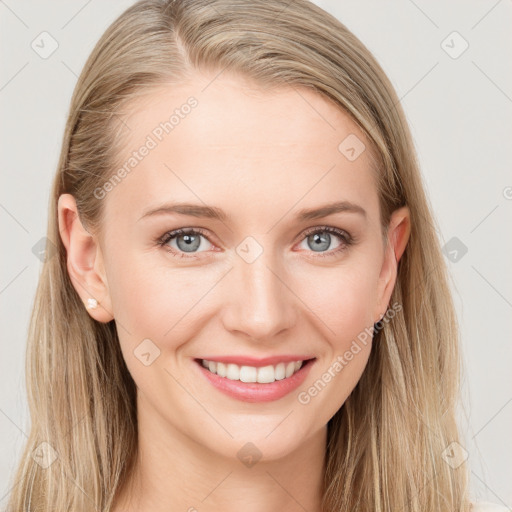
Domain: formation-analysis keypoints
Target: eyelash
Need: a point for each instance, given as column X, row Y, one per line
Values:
column 346, row 238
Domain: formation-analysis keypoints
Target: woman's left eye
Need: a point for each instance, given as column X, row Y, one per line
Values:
column 319, row 239
column 182, row 241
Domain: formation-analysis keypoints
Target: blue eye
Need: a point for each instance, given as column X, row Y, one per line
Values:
column 187, row 240
column 320, row 239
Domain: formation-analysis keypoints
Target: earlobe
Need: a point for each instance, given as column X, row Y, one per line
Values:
column 84, row 261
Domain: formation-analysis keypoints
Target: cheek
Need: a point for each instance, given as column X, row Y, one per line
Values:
column 342, row 299
column 150, row 299
column 344, row 305
column 140, row 296
column 155, row 305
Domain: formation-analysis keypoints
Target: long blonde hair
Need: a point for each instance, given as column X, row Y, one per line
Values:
column 386, row 443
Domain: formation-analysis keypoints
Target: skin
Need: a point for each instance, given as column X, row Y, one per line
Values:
column 261, row 156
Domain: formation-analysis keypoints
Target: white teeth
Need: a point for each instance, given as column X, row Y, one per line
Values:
column 280, row 371
column 266, row 374
column 262, row 374
column 248, row 374
column 221, row 369
column 232, row 372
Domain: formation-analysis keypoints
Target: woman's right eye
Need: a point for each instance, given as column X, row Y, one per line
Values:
column 186, row 241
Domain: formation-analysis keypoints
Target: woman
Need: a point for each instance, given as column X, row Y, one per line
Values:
column 249, row 307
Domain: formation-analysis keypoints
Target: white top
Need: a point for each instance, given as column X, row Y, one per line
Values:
column 487, row 506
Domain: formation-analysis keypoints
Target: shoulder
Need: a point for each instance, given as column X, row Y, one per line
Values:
column 486, row 506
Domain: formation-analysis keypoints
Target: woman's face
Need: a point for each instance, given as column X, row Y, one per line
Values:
column 262, row 279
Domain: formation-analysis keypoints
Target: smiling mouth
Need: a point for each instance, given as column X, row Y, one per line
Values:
column 252, row 374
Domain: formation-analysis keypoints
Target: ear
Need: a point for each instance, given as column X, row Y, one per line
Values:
column 84, row 260
column 399, row 230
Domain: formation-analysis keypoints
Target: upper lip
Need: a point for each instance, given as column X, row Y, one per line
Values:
column 257, row 362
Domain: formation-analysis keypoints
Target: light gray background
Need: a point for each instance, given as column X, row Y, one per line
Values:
column 460, row 112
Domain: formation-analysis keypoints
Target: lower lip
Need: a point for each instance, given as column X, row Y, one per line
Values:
column 255, row 391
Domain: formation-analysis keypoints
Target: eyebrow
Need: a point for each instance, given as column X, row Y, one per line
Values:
column 212, row 212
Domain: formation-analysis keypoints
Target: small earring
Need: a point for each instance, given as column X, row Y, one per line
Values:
column 92, row 303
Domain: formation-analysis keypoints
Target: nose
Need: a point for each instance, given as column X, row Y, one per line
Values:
column 260, row 302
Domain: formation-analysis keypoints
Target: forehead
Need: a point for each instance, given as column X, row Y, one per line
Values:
column 221, row 140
